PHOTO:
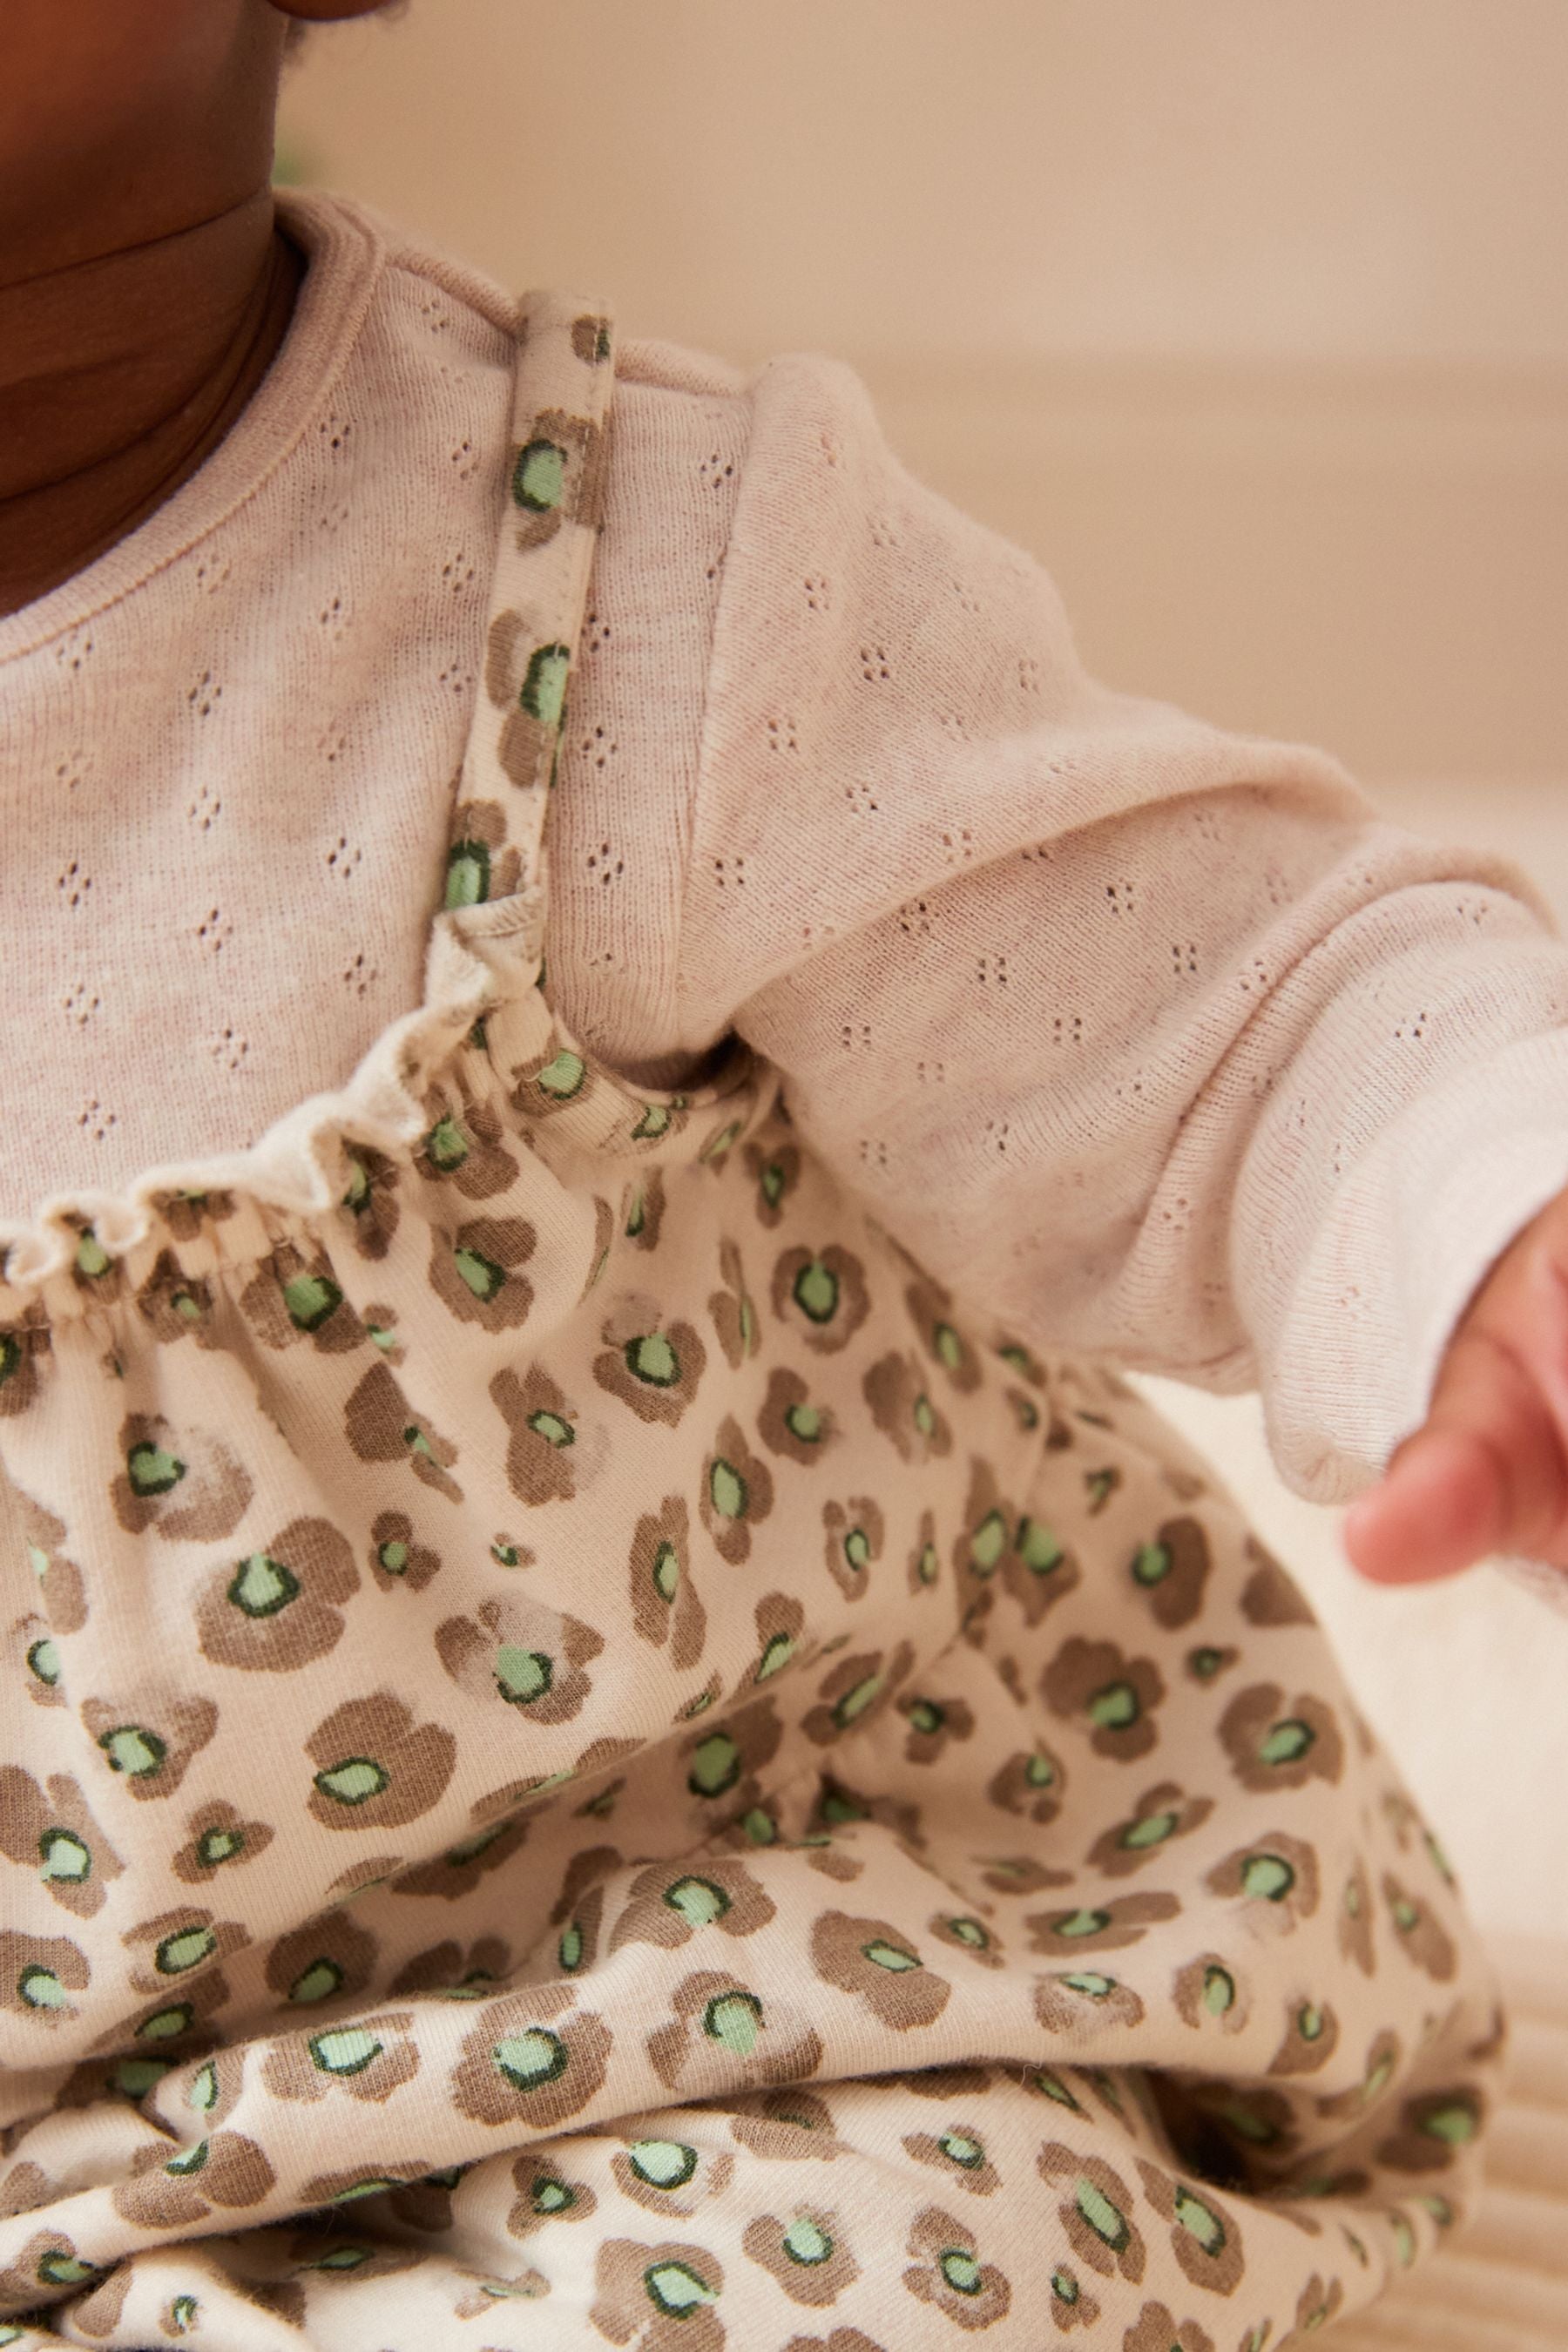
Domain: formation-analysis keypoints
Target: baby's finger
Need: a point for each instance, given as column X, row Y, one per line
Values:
column 1487, row 1473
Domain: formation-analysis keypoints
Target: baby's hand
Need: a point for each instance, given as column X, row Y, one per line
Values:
column 1488, row 1472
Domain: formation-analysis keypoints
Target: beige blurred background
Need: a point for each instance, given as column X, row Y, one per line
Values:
column 1249, row 321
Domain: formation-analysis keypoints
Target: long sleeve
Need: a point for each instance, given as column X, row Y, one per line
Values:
column 1148, row 1038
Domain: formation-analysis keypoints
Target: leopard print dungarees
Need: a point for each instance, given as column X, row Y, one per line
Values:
column 589, row 1759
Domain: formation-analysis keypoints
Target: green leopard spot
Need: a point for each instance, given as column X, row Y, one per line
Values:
column 348, row 2052
column 262, row 1586
column 552, row 1428
column 164, row 2024
column 376, row 2186
column 1377, row 2080
column 357, row 1197
column 1205, row 1663
column 544, row 694
column 970, row 1932
column 653, row 1359
column 564, row 1076
column 311, row 1298
column 1310, row 2023
column 468, row 885
column 776, row 1657
column 342, row 2258
column 355, row 1782
column 91, row 1257
column 1082, row 1923
column 202, row 2093
column 735, row 2020
column 883, row 1955
column 815, row 1291
column 446, row 1146
column 760, row 1826
column 858, row 1549
column 926, row 1715
column 187, row 1309
column 806, row 2244
column 187, row 1950
column 523, row 1675
column 961, row 2271
column 1287, row 1743
column 320, row 1981
column 134, row 2077
column 1065, row 2287
column 182, row 2313
column 698, row 1901
column 58, row 2268
column 44, row 1663
column 1268, row 1876
column 1352, row 1899
column 1246, row 2124
column 570, row 1949
column 927, row 1567
column 1219, row 1991
column 393, row 1558
column 655, row 1119
column 676, row 2290
column 41, row 1989
column 1051, row 2083
column 152, row 1470
column 805, row 1421
column 539, row 477
column 532, row 2058
column 1037, row 1547
column 663, row 2163
column 64, row 1856
column 1115, row 1708
column 1152, row 1828
column 988, row 1543
column 1107, row 2220
column 715, row 1765
column 748, row 1328
column 949, row 1347
column 771, row 1183
column 1151, row 1564
column 190, row 2159
column 1200, row 2221
column 637, row 1218
column 216, row 1846
column 550, row 2194
column 1404, row 2240
column 10, row 1356
column 667, row 1570
column 1455, row 2123
column 838, row 1808
column 924, row 1415
column 132, row 1751
column 1092, row 1986
column 1406, row 1915
column 962, row 2150
column 856, row 1701
column 481, row 1274
column 727, row 1489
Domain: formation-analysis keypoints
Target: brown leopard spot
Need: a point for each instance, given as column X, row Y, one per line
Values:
column 1278, row 1743
column 854, row 1692
column 1080, row 2001
column 881, row 1966
column 464, row 1148
column 1270, row 1597
column 530, row 1658
column 1101, row 1927
column 475, row 1271
column 376, row 1769
column 947, row 2272
column 531, row 2059
column 854, row 1533
column 1275, row 1876
column 553, row 1456
column 1162, row 1814
column 546, row 2194
column 1172, row 1571
column 217, row 1834
column 665, row 1605
column 1110, row 1695
column 169, row 1951
column 324, row 1959
column 807, row 2254
column 292, row 1299
column 38, row 1976
column 1211, row 1991
column 898, row 1393
column 280, row 1606
column 784, row 2126
column 381, row 1426
column 1433, row 2127
column 1311, row 2036
column 820, row 1297
column 1206, row 2236
column 186, row 1485
column 1033, row 1782
column 1096, row 2212
column 1422, row 1937
column 737, row 1493
column 959, row 2152
column 660, row 2298
column 52, row 1832
column 397, row 1560
column 666, row 1906
column 149, row 1737
column 722, row 2034
column 369, row 2056
column 1157, row 2330
column 168, row 2192
column 931, row 1309
column 61, row 1586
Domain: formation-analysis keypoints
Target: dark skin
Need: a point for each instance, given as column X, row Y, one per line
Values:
column 144, row 288
column 144, row 291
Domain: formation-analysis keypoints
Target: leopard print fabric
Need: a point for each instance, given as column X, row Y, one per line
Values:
column 590, row 1760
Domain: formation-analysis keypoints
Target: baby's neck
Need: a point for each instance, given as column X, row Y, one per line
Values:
column 120, row 375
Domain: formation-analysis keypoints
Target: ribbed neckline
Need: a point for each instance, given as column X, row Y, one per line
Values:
column 346, row 255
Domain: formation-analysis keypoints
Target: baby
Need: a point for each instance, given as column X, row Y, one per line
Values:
column 618, row 1728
